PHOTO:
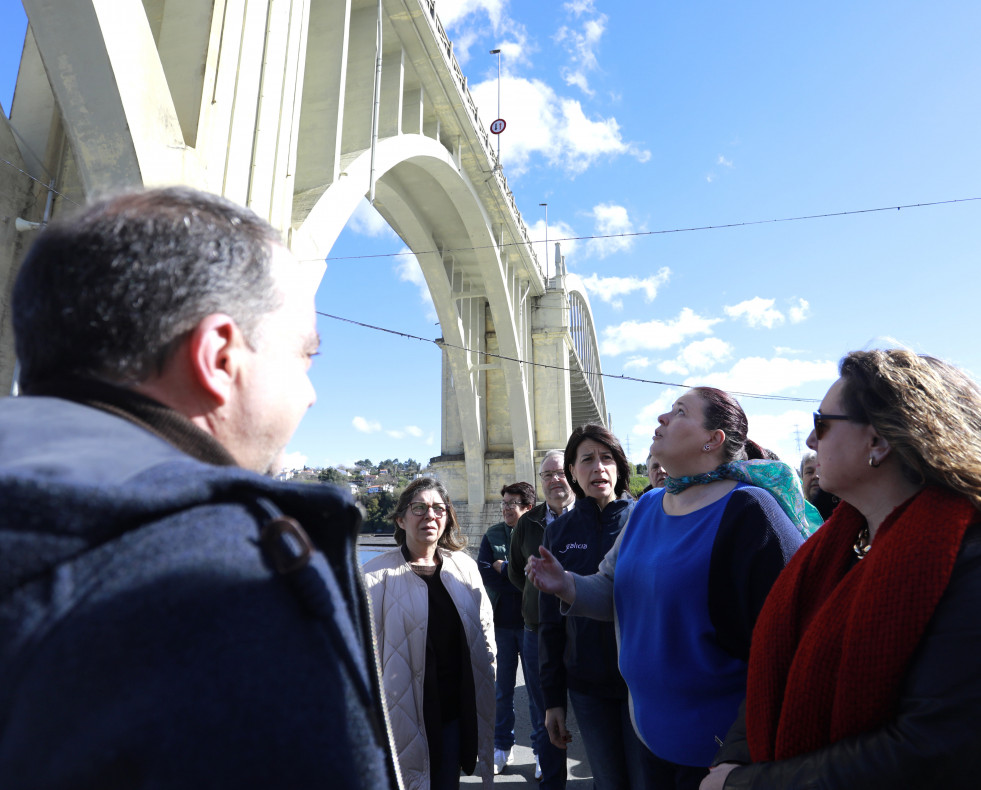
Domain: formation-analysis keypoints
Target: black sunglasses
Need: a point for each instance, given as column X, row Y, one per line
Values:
column 820, row 422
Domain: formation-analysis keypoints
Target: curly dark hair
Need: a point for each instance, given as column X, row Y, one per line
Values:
column 524, row 490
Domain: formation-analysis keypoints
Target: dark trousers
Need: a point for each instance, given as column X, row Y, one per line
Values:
column 446, row 775
column 672, row 776
column 551, row 759
column 510, row 647
column 617, row 756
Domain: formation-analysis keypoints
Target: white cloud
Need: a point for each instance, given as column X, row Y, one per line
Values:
column 408, row 430
column 579, row 7
column 700, row 355
column 409, row 271
column 366, row 426
column 542, row 123
column 723, row 161
column 582, row 140
column 450, row 12
column 705, row 354
column 637, row 362
column 643, row 335
column 581, row 46
column 610, row 289
column 462, row 42
column 559, row 230
column 290, row 461
column 778, row 432
column 366, row 221
column 612, row 221
column 578, row 79
column 756, row 312
column 768, row 376
column 647, row 417
column 672, row 367
column 800, row 311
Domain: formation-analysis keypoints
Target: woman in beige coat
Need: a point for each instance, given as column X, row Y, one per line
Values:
column 435, row 632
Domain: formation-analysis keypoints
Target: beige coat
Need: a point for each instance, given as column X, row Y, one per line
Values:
column 400, row 605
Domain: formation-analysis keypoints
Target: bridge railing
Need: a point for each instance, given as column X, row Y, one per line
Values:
column 482, row 134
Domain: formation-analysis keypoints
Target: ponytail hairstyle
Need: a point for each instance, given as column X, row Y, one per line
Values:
column 723, row 413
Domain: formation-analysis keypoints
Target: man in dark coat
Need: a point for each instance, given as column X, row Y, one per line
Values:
column 525, row 542
column 169, row 617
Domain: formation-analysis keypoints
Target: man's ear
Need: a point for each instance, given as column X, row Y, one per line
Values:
column 215, row 347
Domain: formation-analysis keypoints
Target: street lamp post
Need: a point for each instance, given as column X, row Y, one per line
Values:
column 498, row 53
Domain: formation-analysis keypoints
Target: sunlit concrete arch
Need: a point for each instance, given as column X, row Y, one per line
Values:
column 431, row 204
column 588, row 393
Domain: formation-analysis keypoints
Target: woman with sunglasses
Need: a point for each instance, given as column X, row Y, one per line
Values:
column 865, row 668
column 435, row 633
column 686, row 578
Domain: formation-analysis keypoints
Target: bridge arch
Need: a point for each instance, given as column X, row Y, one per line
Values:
column 432, row 205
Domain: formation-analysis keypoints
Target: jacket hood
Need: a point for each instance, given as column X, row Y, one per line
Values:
column 73, row 477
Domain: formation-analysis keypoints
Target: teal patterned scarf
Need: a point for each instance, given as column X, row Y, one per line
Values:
column 775, row 476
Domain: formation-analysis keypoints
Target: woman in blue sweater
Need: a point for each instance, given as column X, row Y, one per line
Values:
column 687, row 578
column 578, row 655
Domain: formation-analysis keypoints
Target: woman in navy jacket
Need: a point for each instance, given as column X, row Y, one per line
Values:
column 579, row 655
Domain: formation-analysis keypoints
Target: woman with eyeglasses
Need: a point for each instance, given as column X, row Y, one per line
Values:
column 686, row 578
column 435, row 633
column 865, row 668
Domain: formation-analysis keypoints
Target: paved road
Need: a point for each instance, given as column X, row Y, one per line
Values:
column 522, row 770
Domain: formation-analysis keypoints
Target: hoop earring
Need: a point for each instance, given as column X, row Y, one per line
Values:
column 873, row 463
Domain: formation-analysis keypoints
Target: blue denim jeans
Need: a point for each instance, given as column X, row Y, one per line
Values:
column 551, row 759
column 617, row 757
column 510, row 646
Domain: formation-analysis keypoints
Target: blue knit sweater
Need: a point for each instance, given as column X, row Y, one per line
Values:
column 687, row 592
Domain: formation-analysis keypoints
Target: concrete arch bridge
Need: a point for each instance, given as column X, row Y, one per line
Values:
column 293, row 108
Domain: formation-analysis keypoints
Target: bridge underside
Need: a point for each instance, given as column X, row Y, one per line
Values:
column 271, row 103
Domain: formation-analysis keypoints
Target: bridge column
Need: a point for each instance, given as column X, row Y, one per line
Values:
column 552, row 392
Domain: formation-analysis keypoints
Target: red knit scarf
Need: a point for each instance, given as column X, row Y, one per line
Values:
column 832, row 645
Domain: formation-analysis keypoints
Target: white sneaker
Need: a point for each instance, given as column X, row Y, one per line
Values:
column 538, row 768
column 501, row 759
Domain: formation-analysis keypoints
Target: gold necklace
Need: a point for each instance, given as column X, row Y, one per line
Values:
column 862, row 545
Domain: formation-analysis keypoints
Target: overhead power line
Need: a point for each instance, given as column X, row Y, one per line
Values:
column 439, row 343
column 39, row 181
column 633, row 234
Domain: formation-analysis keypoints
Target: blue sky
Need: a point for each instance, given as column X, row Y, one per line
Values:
column 630, row 117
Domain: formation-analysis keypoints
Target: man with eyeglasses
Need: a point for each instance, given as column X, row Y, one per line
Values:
column 492, row 559
column 525, row 542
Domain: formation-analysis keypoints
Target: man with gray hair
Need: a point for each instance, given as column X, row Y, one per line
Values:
column 169, row 618
column 809, row 477
column 525, row 542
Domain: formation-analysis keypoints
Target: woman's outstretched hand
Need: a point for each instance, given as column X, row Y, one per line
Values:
column 547, row 574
